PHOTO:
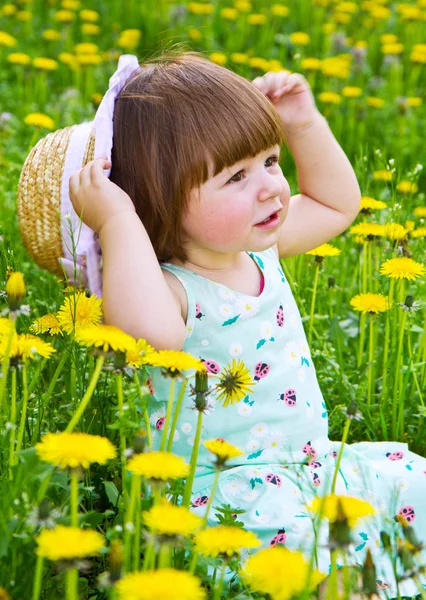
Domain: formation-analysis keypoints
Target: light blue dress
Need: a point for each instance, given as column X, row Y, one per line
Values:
column 282, row 427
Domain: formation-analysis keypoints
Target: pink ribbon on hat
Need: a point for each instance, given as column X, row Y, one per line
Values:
column 87, row 266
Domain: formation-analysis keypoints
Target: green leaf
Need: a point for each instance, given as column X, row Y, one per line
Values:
column 111, row 491
column 230, row 321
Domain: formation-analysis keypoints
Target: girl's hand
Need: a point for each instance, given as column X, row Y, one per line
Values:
column 94, row 197
column 292, row 97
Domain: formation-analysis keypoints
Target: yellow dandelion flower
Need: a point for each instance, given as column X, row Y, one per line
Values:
column 106, row 337
column 219, row 58
column 89, row 15
column 90, row 29
column 75, row 449
column 71, row 4
column 175, row 361
column 64, row 16
column 158, row 466
column 388, row 38
column 230, row 14
column 46, row 324
column 15, row 289
column 4, row 595
column 370, row 303
column 414, row 102
column 86, row 48
column 235, row 383
column 224, row 541
column 39, row 120
column 299, row 38
column 239, row 58
column 407, row 187
column 368, row 203
column 97, row 98
column 129, row 39
column 164, row 584
column 268, row 570
column 409, row 225
column 420, row 211
column 256, row 62
column 7, row 40
column 139, row 353
column 19, row 58
column 4, row 326
column 9, row 10
column 68, row 543
column 167, row 519
column 402, row 268
column 222, row 450
column 88, row 59
column 26, row 346
column 311, row 64
column 79, row 311
column 392, row 49
column 329, row 98
column 353, row 508
column 279, row 10
column 383, row 175
column 395, row 231
column 351, row 92
column 420, row 232
column 324, row 250
column 194, row 33
column 256, row 19
column 368, row 230
column 51, row 35
column 375, row 102
column 66, row 58
column 45, row 64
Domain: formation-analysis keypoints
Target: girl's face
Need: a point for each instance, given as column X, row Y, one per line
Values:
column 241, row 209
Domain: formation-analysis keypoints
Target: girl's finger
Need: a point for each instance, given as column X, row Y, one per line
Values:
column 97, row 169
column 74, row 184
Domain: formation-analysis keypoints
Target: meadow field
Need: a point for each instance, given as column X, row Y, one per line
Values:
column 73, row 520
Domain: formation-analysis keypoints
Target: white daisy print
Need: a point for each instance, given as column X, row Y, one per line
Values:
column 244, row 409
column 251, row 495
column 292, row 353
column 186, row 428
column 247, row 307
column 190, row 440
column 226, row 310
column 304, row 348
column 253, row 472
column 261, row 518
column 301, row 374
column 259, row 430
column 235, row 349
column 296, row 493
column 176, row 435
column 252, row 446
column 233, row 488
column 402, row 485
column 266, row 330
column 205, row 343
column 157, row 414
column 293, row 321
column 226, row 294
column 273, row 443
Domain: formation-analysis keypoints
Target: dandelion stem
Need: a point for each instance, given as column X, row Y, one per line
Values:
column 74, row 498
column 339, row 458
column 311, row 314
column 23, row 409
column 13, row 423
column 176, row 415
column 332, row 591
column 122, row 436
column 145, row 412
column 137, row 536
column 362, row 319
column 5, row 364
column 128, row 524
column 168, row 414
column 87, row 396
column 398, row 384
column 370, row 384
column 193, row 463
column 219, row 586
column 212, row 493
column 71, row 584
column 38, row 576
column 386, row 343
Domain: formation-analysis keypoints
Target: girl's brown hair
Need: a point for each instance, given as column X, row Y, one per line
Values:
column 178, row 112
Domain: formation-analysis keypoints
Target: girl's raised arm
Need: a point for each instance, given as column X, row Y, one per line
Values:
column 136, row 297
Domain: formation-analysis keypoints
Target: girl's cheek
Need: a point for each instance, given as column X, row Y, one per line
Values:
column 224, row 225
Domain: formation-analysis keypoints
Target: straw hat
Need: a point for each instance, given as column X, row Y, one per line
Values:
column 52, row 232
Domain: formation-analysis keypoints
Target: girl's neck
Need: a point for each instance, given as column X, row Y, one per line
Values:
column 208, row 262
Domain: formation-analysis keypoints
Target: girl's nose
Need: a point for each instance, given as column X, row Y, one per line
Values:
column 270, row 188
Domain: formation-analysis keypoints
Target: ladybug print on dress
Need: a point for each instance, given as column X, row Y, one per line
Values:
column 150, row 386
column 289, row 397
column 200, row 501
column 408, row 513
column 280, row 538
column 211, row 366
column 398, row 455
column 261, row 370
column 275, row 479
column 309, row 450
column 198, row 313
column 314, row 464
column 316, row 480
column 160, row 422
column 280, row 316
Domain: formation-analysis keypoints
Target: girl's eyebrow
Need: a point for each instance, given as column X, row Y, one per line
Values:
column 227, row 171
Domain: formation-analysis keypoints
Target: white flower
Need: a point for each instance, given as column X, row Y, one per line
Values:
column 176, row 435
column 233, row 488
column 263, row 519
column 259, row 430
column 157, row 414
column 251, row 495
column 226, row 294
column 190, row 440
column 301, row 374
column 186, row 427
column 235, row 349
column 304, row 348
column 266, row 330
column 205, row 342
column 247, row 307
column 292, row 353
column 253, row 472
column 273, row 443
column 296, row 493
column 402, row 484
column 244, row 409
column 226, row 310
column 253, row 445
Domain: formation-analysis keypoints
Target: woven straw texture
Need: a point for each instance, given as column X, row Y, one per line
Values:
column 39, row 196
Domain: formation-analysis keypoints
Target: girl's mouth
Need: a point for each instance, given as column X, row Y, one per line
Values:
column 270, row 222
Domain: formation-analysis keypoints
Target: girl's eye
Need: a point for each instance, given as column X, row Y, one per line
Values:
column 274, row 160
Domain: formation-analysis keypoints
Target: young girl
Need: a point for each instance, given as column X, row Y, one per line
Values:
column 192, row 223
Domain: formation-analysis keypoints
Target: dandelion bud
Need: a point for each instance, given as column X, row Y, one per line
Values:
column 406, row 557
column 409, row 301
column 340, row 532
column 201, row 391
column 369, row 575
column 15, row 290
column 3, row 594
column 331, row 282
column 115, row 560
column 139, row 442
column 411, row 537
column 386, row 541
